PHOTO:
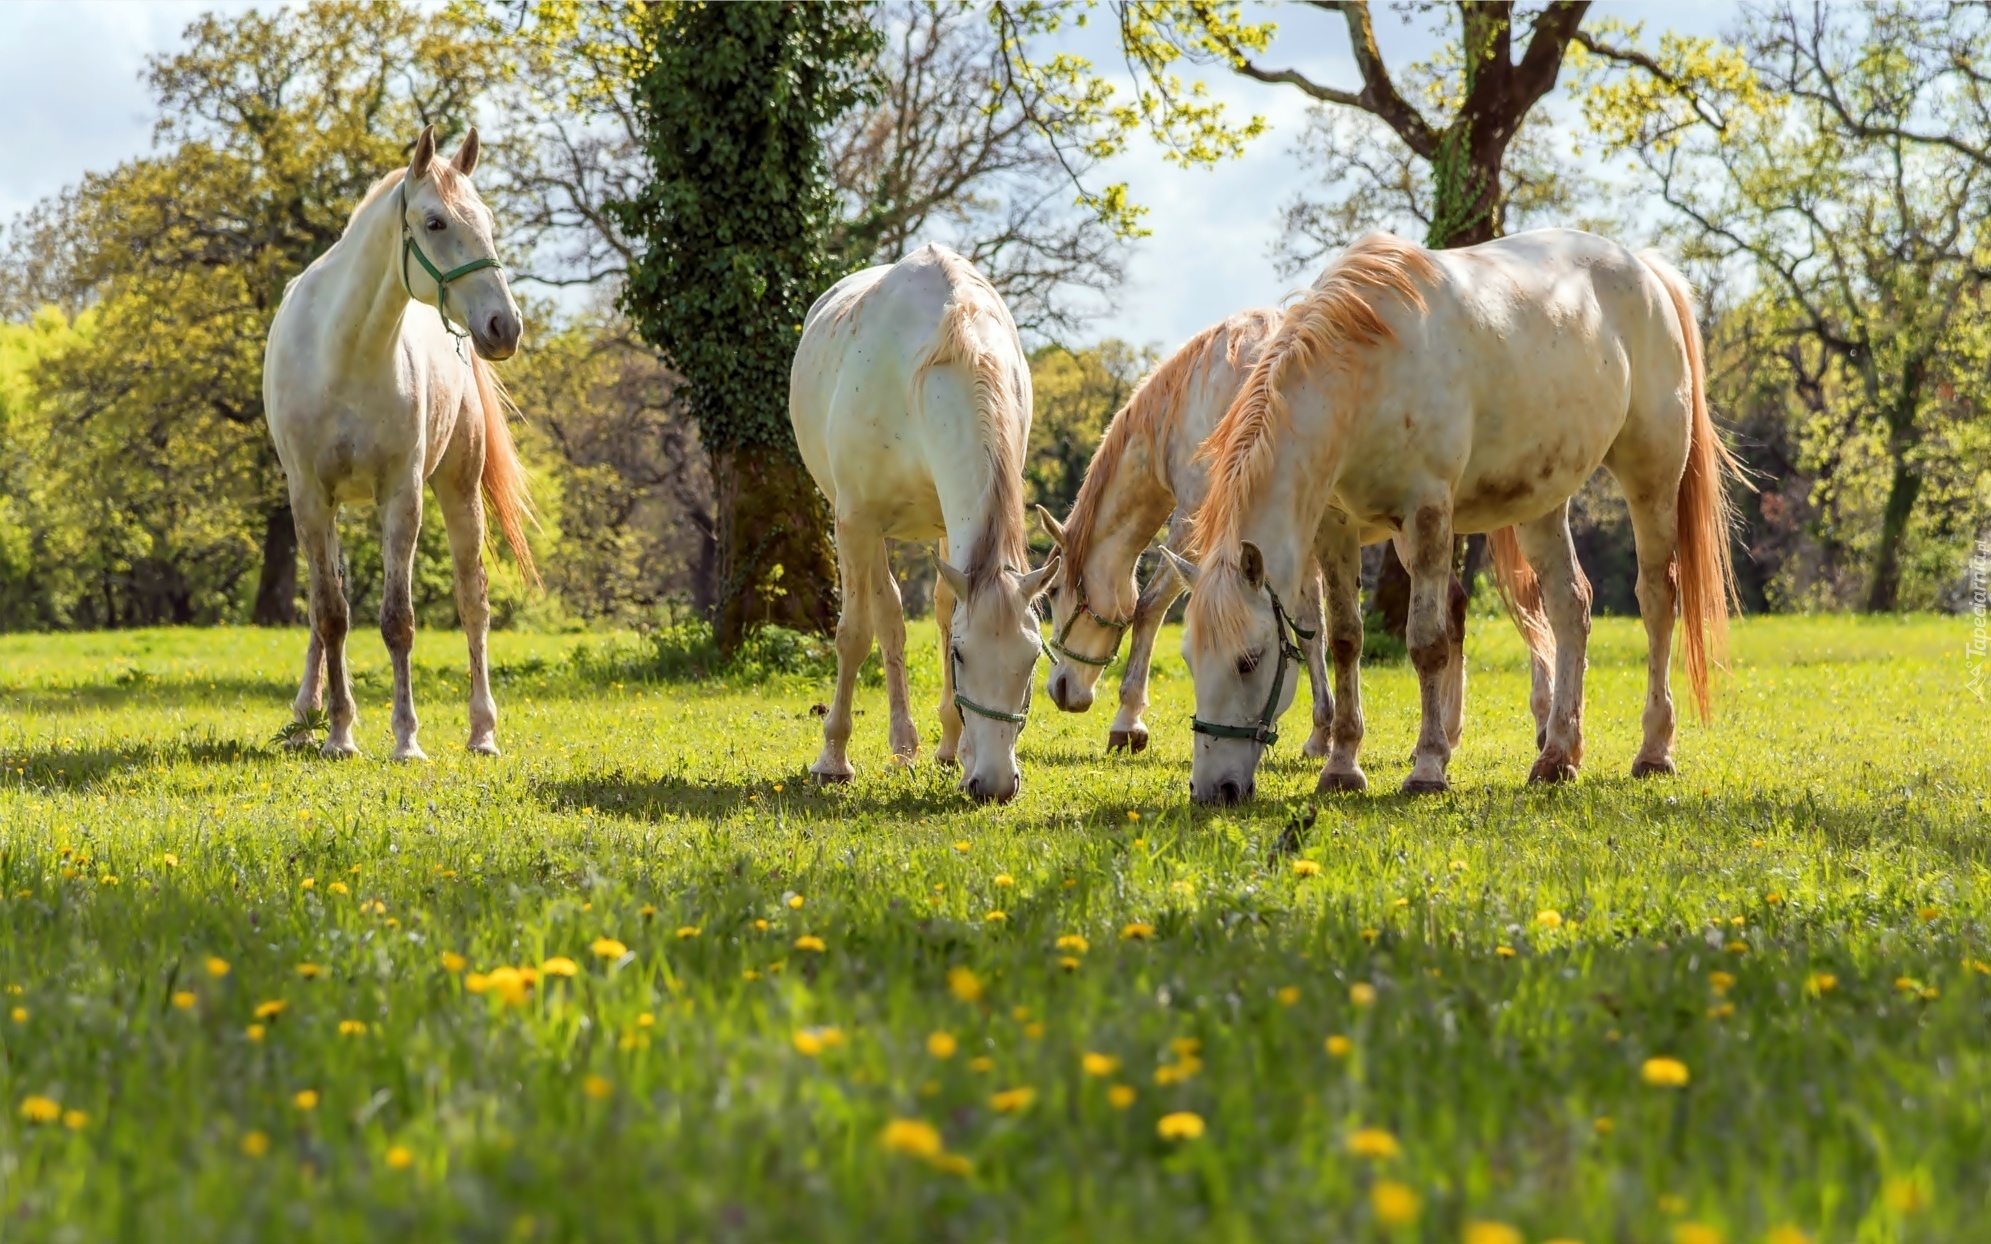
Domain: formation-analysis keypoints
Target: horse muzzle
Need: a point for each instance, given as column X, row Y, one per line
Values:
column 1224, row 792
column 497, row 335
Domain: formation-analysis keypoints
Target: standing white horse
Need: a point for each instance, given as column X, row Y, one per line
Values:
column 368, row 394
column 910, row 397
column 1462, row 390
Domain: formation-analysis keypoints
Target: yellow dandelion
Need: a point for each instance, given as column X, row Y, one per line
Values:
column 1549, row 918
column 108, row 879
column 1505, row 952
column 810, row 942
column 559, row 965
column 309, row 971
column 1491, row 1233
column 981, row 1064
column 962, row 846
column 75, row 1120
column 1394, row 1203
column 1820, row 983
column 1306, row 868
column 1664, row 1073
column 1457, row 866
column 795, row 902
column 1137, row 932
column 19, row 1015
column 1120, row 1096
column 1905, row 1194
column 37, row 1109
column 808, row 1043
column 964, row 984
column 1721, row 1011
column 1374, row 1143
column 1369, row 935
column 608, row 948
column 1929, row 914
column 1737, row 948
column 476, row 982
column 1133, row 815
column 255, row 1145
column 1603, row 1125
column 217, row 967
column 1068, row 963
column 1362, row 994
column 400, row 1158
column 1004, row 881
column 171, row 860
column 1696, row 1233
column 915, row 1138
column 996, row 917
column 1101, row 1065
column 307, row 883
column 352, row 1028
column 645, row 1020
column 272, row 1009
column 1722, row 982
column 254, row 1032
column 953, row 1164
column 1181, row 1125
column 597, row 1087
column 1774, row 897
column 647, row 911
column 1339, row 1046
column 1012, row 1101
column 1289, row 995
column 183, row 1000
column 1073, row 943
column 687, row 931
column 338, row 887
column 306, row 1099
column 942, row 1044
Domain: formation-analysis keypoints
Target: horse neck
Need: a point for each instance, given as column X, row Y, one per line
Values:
column 1135, row 500
column 367, row 291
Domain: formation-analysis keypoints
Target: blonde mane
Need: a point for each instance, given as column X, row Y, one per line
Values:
column 971, row 326
column 1324, row 329
column 1151, row 413
column 452, row 187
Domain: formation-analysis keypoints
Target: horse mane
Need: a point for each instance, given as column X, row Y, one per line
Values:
column 972, row 329
column 1152, row 413
column 451, row 186
column 1324, row 328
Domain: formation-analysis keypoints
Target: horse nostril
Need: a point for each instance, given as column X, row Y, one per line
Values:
column 977, row 790
column 496, row 328
column 1228, row 792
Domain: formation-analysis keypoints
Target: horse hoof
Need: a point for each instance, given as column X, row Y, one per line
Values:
column 1342, row 783
column 339, row 751
column 408, row 753
column 832, row 777
column 485, row 747
column 1116, row 740
column 1552, row 771
column 1642, row 768
column 1137, row 740
column 1425, row 786
column 1318, row 747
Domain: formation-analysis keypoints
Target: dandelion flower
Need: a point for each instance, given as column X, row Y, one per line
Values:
column 1137, row 932
column 1929, row 914
column 942, row 1044
column 1073, row 944
column 183, row 1000
column 1101, row 1065
column 338, row 887
column 597, row 1088
column 1339, row 1046
column 981, row 1064
column 254, row 1032
column 559, row 965
column 1905, row 1195
column 1491, row 1233
column 1362, row 994
column 687, row 931
column 217, row 967
column 1457, row 866
column 1721, row 981
column 1374, row 1143
column 1737, row 948
column 1186, row 1047
column 1603, row 1124
column 400, row 1158
column 476, row 982
column 270, row 1010
column 172, row 860
column 307, row 883
column 40, row 1109
column 1774, row 897
column 1289, row 995
column 1549, row 919
column 75, row 1120
column 1907, row 984
column 1665, row 1073
column 808, row 1043
column 1004, row 881
column 1306, row 868
column 1120, row 1096
column 255, row 1145
column 810, row 942
column 309, row 971
column 352, row 1028
column 19, row 1015
column 1820, row 983
column 1068, row 963
column 1133, row 815
column 1696, row 1233
column 306, row 1099
column 1181, row 1125
column 1011, row 1101
column 1394, row 1203
column 647, row 911
column 915, row 1138
column 108, row 879
column 964, row 984
column 962, row 847
column 996, row 917
column 1505, row 952
column 1034, row 1031
column 795, row 902
column 608, row 948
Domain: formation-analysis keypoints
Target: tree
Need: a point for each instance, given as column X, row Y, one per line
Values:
column 735, row 222
column 1848, row 175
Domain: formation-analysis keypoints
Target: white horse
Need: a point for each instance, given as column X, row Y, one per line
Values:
column 910, row 397
column 369, row 393
column 1151, row 468
column 1464, row 390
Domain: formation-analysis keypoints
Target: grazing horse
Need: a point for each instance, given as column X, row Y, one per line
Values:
column 910, row 397
column 1456, row 391
column 369, row 393
column 1150, row 468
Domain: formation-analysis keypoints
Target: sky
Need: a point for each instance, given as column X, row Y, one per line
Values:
column 72, row 102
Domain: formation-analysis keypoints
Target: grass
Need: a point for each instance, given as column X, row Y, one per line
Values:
column 1370, row 1015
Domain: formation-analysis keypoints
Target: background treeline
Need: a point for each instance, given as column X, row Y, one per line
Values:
column 1826, row 176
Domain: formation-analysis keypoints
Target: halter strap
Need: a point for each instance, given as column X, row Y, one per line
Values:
column 441, row 278
column 993, row 714
column 1119, row 629
column 1264, row 734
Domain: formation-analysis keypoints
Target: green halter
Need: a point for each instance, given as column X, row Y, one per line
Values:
column 993, row 714
column 1118, row 628
column 1264, row 733
column 441, row 278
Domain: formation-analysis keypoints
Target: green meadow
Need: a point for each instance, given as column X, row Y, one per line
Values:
column 638, row 980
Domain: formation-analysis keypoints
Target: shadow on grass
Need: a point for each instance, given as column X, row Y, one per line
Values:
column 922, row 793
column 75, row 768
column 134, row 688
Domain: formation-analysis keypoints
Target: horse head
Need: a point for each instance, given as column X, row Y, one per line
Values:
column 447, row 256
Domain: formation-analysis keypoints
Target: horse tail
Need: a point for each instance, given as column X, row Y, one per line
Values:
column 1704, row 571
column 506, row 491
column 1521, row 591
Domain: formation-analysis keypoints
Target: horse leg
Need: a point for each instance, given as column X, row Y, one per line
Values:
column 1341, row 573
column 400, row 525
column 950, row 713
column 1566, row 600
column 1655, row 534
column 1455, row 662
column 318, row 533
column 312, row 525
column 1426, row 549
column 1313, row 617
column 462, row 506
column 888, row 617
column 853, row 644
column 1128, row 730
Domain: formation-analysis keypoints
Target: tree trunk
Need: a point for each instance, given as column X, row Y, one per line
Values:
column 1901, row 494
column 776, row 562
column 276, row 590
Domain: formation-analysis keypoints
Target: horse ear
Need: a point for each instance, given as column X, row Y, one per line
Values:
column 955, row 579
column 465, row 159
column 1031, row 584
column 1052, row 527
column 1252, row 562
column 1184, row 569
column 425, row 153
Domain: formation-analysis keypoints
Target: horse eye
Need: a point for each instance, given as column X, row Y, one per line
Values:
column 436, row 225
column 1249, row 662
